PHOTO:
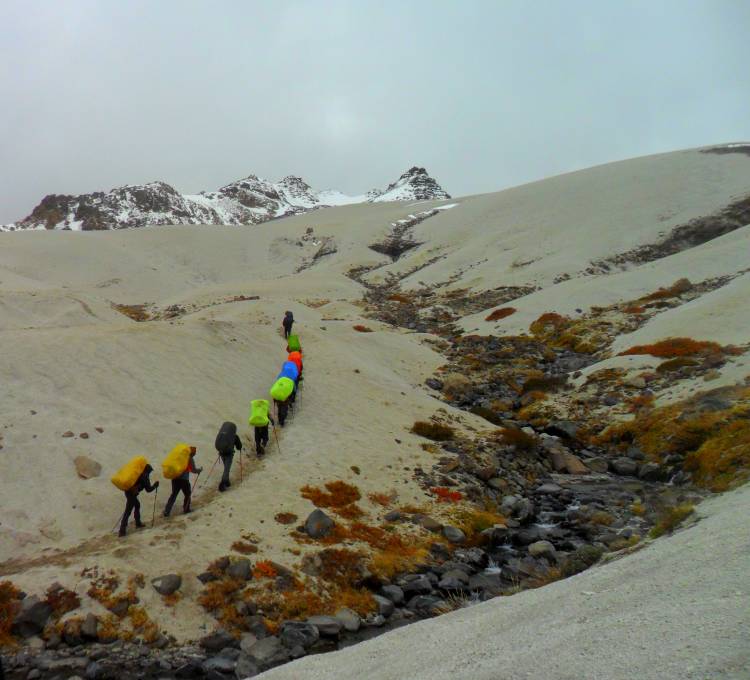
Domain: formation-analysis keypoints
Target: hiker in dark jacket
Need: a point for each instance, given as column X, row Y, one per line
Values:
column 287, row 324
column 261, row 436
column 227, row 456
column 143, row 483
column 282, row 408
column 182, row 483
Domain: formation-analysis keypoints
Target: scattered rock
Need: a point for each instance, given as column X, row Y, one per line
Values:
column 623, row 466
column 427, row 522
column 393, row 593
column 294, row 633
column 597, row 464
column 86, row 467
column 268, row 652
column 650, row 472
column 454, row 534
column 32, row 617
column 419, row 585
column 541, row 549
column 218, row 640
column 84, row 435
column 90, row 627
column 349, row 619
column 318, row 524
column 167, row 584
column 68, row 434
column 240, row 569
column 246, row 667
column 329, row 626
column 385, row 606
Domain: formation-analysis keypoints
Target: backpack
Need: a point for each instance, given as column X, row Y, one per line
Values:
column 176, row 462
column 126, row 477
column 281, row 389
column 258, row 413
column 225, row 437
column 293, row 344
column 289, row 370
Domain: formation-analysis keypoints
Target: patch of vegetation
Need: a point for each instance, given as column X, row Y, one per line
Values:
column 338, row 494
column 61, row 600
column 135, row 312
column 362, row 329
column 488, row 414
column 501, row 313
column 546, row 383
column 602, row 518
column 285, row 517
column 10, row 604
column 473, row 521
column 516, row 437
column 384, row 499
column 676, row 364
column 435, row 431
column 581, row 559
column 675, row 290
column 244, row 548
column 549, row 322
column 264, row 569
column 670, row 519
column 445, row 495
column 676, row 347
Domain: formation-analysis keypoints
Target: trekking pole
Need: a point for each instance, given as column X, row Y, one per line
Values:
column 117, row 522
column 209, row 473
column 153, row 514
column 240, row 467
column 276, row 437
column 195, row 483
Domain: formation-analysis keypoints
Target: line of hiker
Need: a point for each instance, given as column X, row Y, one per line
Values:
column 134, row 477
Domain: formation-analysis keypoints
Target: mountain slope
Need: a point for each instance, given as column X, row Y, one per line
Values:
column 247, row 201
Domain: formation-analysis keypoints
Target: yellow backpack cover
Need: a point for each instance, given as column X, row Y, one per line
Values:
column 126, row 477
column 258, row 413
column 176, row 462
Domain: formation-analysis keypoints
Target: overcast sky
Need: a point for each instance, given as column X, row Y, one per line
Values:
column 348, row 95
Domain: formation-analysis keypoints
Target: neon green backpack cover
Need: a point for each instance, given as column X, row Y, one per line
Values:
column 282, row 388
column 292, row 343
column 258, row 413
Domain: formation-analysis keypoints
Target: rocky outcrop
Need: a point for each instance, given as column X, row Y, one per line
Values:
column 247, row 201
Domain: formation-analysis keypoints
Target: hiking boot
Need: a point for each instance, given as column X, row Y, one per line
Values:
column 165, row 514
column 140, row 525
column 122, row 533
column 186, row 511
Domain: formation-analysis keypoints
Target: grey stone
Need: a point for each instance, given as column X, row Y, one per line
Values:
column 393, row 516
column 454, row 534
column 34, row 674
column 167, row 584
column 318, row 524
column 451, row 583
column 429, row 523
column 218, row 640
column 221, row 663
column 623, row 466
column 329, row 626
column 394, row 593
column 90, row 627
column 247, row 640
column 385, row 606
column 240, row 569
column 650, row 472
column 86, row 467
column 541, row 549
column 562, row 428
column 32, row 617
column 418, row 586
column 426, row 604
column 349, row 619
column 268, row 652
column 298, row 633
column 245, row 668
column 597, row 464
column 548, row 489
column 635, row 453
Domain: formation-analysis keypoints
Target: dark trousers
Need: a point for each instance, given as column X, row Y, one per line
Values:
column 261, row 439
column 131, row 504
column 177, row 486
column 226, row 458
column 287, row 329
column 282, row 409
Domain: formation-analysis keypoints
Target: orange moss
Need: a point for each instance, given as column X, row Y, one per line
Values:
column 61, row 600
column 634, row 309
column 501, row 313
column 435, row 431
column 9, row 607
column 264, row 569
column 676, row 364
column 675, row 347
column 351, row 511
column 445, row 495
column 244, row 548
column 285, row 518
column 549, row 322
column 217, row 593
column 362, row 329
column 135, row 312
column 516, row 437
column 675, row 290
column 172, row 599
column 383, row 499
column 339, row 494
column 398, row 297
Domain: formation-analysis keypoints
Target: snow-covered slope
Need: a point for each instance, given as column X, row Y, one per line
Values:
column 247, row 201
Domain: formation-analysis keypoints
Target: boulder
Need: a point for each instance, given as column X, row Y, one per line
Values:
column 218, row 640
column 240, row 569
column 548, row 489
column 623, row 466
column 167, row 584
column 650, row 472
column 574, row 465
column 245, row 668
column 566, row 429
column 87, row 468
column 417, row 586
column 385, row 606
column 454, row 534
column 318, row 524
column 349, row 619
column 394, row 593
column 541, row 549
column 328, row 626
column 268, row 652
column 597, row 464
column 90, row 627
column 429, row 523
column 427, row 604
column 294, row 633
column 31, row 618
column 224, row 662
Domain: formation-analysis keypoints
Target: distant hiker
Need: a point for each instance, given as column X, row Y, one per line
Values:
column 143, row 483
column 259, row 419
column 287, row 324
column 182, row 483
column 226, row 442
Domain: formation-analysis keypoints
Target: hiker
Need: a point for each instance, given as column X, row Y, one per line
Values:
column 261, row 436
column 182, row 483
column 143, row 483
column 282, row 409
column 287, row 324
column 227, row 441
